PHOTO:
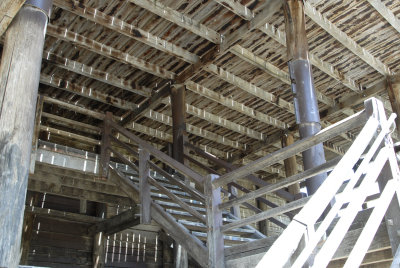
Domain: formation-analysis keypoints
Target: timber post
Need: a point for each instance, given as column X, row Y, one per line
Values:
column 105, row 145
column 19, row 82
column 290, row 164
column 394, row 97
column 99, row 239
column 35, row 139
column 215, row 238
column 144, row 186
column 178, row 110
column 305, row 100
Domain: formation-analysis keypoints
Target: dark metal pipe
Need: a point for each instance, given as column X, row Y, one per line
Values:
column 305, row 101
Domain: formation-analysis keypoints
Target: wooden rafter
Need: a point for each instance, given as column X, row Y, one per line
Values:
column 126, row 29
column 237, row 8
column 386, row 13
column 8, row 10
column 107, row 51
column 345, row 40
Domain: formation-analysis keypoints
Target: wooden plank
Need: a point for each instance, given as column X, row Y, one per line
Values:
column 86, row 92
column 235, row 105
column 160, row 155
column 63, row 133
column 144, row 186
column 192, row 191
column 215, row 238
column 36, row 131
column 56, row 214
column 290, row 164
column 93, row 73
column 107, row 51
column 117, row 223
column 127, row 29
column 370, row 258
column 177, row 200
column 267, row 214
column 105, row 145
column 180, row 19
column 345, row 40
column 325, row 134
column 237, row 8
column 283, row 183
column 386, row 13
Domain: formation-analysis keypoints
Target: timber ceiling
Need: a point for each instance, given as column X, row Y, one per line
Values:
column 104, row 55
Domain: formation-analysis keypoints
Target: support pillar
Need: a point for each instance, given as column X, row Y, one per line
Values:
column 290, row 164
column 305, row 101
column 19, row 81
column 178, row 134
column 99, row 239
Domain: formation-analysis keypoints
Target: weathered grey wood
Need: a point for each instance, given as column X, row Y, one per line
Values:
column 215, row 239
column 144, row 186
column 83, row 206
column 35, row 139
column 99, row 239
column 160, row 155
column 68, row 216
column 374, row 257
column 177, row 200
column 267, row 214
column 193, row 192
column 396, row 259
column 282, row 183
column 117, row 223
column 290, row 164
column 123, row 159
column 394, row 97
column 105, row 145
column 323, row 135
column 19, row 81
column 29, row 220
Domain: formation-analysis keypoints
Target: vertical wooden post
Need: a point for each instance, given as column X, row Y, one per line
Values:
column 178, row 108
column 19, row 81
column 99, row 239
column 235, row 210
column 105, row 144
column 305, row 100
column 144, row 186
column 215, row 238
column 35, row 139
column 290, row 164
column 82, row 206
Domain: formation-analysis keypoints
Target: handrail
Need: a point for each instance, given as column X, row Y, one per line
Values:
column 158, row 154
column 297, row 147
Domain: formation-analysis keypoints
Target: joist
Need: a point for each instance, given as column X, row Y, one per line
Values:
column 96, row 74
column 117, row 223
column 324, row 66
column 272, row 70
column 8, row 10
column 165, row 119
column 386, row 13
column 221, row 121
column 107, row 51
column 72, row 123
column 180, row 19
column 86, row 92
column 237, row 8
column 70, row 135
column 234, row 105
column 345, row 40
column 127, row 29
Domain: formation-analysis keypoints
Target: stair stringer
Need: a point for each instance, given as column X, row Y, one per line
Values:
column 178, row 232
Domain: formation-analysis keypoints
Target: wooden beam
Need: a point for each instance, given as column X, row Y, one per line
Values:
column 36, row 132
column 237, row 8
column 324, row 66
column 272, row 70
column 165, row 119
column 96, row 74
column 127, row 29
column 386, row 13
column 68, row 216
column 70, row 135
column 107, row 51
column 86, row 92
column 235, row 105
column 180, row 19
column 345, row 40
column 144, row 186
column 117, row 223
column 8, row 10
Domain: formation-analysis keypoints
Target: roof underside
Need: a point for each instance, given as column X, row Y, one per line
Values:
column 113, row 55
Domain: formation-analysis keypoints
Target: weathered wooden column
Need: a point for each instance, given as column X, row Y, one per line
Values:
column 305, row 101
column 19, row 81
column 178, row 135
column 290, row 164
column 99, row 239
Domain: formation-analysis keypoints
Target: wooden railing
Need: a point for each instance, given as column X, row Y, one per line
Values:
column 117, row 141
column 367, row 146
